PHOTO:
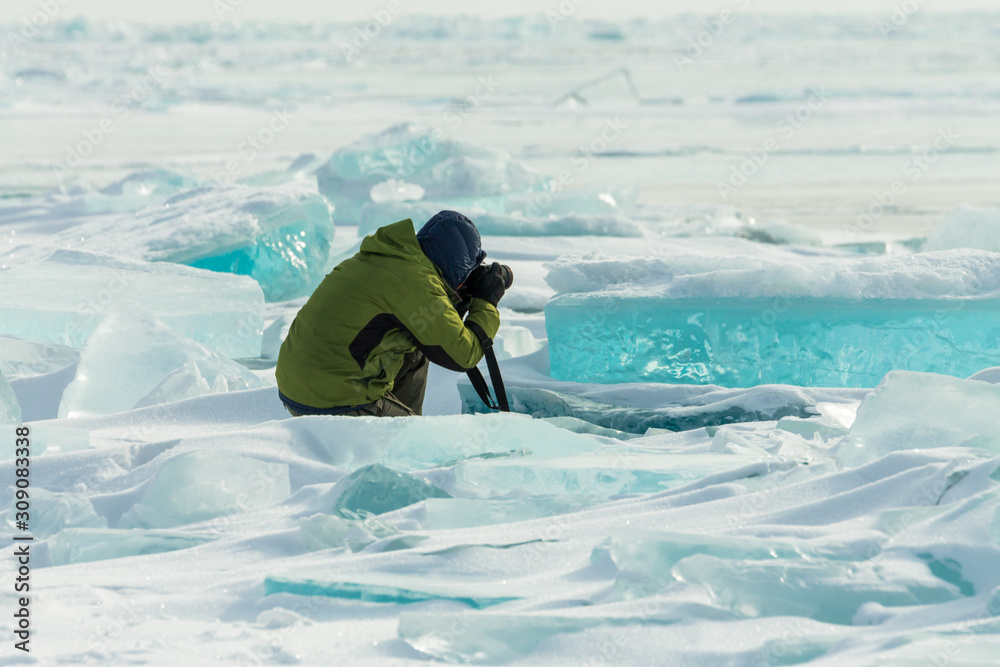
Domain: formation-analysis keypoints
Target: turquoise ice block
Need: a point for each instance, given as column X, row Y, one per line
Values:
column 743, row 342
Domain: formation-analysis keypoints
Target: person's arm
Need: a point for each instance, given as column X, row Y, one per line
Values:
column 439, row 331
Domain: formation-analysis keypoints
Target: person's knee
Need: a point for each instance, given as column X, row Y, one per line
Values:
column 390, row 406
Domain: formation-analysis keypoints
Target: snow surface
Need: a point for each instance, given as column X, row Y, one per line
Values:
column 181, row 516
column 749, row 273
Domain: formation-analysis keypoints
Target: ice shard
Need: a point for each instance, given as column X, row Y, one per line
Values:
column 408, row 590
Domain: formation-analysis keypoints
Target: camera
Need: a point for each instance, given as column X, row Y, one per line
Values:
column 508, row 276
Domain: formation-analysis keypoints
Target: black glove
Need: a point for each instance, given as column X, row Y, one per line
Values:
column 489, row 282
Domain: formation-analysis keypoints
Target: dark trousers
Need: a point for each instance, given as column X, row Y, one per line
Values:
column 407, row 396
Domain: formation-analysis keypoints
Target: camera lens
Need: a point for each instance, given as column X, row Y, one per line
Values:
column 508, row 276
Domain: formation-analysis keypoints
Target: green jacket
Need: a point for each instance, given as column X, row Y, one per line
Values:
column 347, row 343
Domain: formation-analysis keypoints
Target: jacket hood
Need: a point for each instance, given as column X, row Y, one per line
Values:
column 395, row 240
column 452, row 242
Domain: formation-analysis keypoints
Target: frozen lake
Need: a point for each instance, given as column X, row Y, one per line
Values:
column 775, row 189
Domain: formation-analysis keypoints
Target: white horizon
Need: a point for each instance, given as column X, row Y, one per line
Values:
column 187, row 11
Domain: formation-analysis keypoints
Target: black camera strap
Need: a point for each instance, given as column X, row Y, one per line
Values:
column 479, row 382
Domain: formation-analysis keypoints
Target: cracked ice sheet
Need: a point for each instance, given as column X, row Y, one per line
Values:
column 637, row 407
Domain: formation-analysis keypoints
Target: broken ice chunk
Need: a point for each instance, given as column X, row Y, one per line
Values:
column 920, row 410
column 52, row 512
column 133, row 360
column 515, row 341
column 376, row 489
column 22, row 358
column 322, row 531
column 63, row 299
column 200, row 485
column 445, row 169
column 657, row 552
column 279, row 236
column 967, row 227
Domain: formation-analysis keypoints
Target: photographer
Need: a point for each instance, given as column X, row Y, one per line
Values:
column 361, row 343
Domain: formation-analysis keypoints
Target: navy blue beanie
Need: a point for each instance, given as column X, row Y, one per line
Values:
column 452, row 242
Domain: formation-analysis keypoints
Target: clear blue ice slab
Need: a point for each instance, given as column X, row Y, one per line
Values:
column 743, row 342
column 366, row 592
column 287, row 262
